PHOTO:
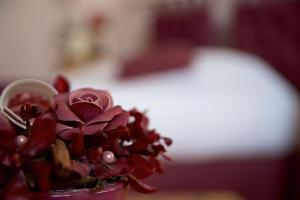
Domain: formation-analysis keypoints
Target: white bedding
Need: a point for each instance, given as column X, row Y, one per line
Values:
column 228, row 103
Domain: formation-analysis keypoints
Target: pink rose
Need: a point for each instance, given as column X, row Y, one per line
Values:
column 88, row 111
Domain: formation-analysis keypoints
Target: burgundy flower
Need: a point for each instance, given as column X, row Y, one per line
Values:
column 80, row 140
column 91, row 110
column 86, row 112
column 137, row 148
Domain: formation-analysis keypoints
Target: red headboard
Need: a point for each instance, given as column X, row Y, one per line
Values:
column 189, row 25
column 273, row 32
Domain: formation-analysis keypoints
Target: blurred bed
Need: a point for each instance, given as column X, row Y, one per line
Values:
column 232, row 117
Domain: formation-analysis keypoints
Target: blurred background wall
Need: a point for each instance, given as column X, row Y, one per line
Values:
column 31, row 32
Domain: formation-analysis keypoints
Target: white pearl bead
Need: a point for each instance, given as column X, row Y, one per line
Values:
column 21, row 140
column 108, row 157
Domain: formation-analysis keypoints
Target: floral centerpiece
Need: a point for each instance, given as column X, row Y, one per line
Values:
column 54, row 141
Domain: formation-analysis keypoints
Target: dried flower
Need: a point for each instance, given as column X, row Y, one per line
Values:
column 79, row 141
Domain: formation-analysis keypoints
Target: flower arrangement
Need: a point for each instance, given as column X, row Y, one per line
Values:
column 53, row 139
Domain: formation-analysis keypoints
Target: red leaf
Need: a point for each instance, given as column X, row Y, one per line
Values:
column 101, row 171
column 166, row 157
column 118, row 121
column 140, row 118
column 82, row 169
column 106, row 116
column 158, row 149
column 112, row 143
column 77, row 147
column 140, row 145
column 157, row 164
column 140, row 186
column 95, row 155
column 61, row 84
column 17, row 189
column 142, row 167
column 94, row 128
column 42, row 134
column 153, row 136
column 41, row 172
column 120, row 168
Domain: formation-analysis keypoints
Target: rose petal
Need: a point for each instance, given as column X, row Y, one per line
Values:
column 142, row 167
column 69, row 134
column 82, row 169
column 63, row 112
column 60, row 127
column 118, row 121
column 104, row 98
column 42, row 134
column 107, row 115
column 86, row 111
column 140, row 186
column 93, row 129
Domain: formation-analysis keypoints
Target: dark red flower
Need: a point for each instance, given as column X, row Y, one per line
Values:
column 137, row 148
column 79, row 140
column 32, row 104
column 29, row 112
